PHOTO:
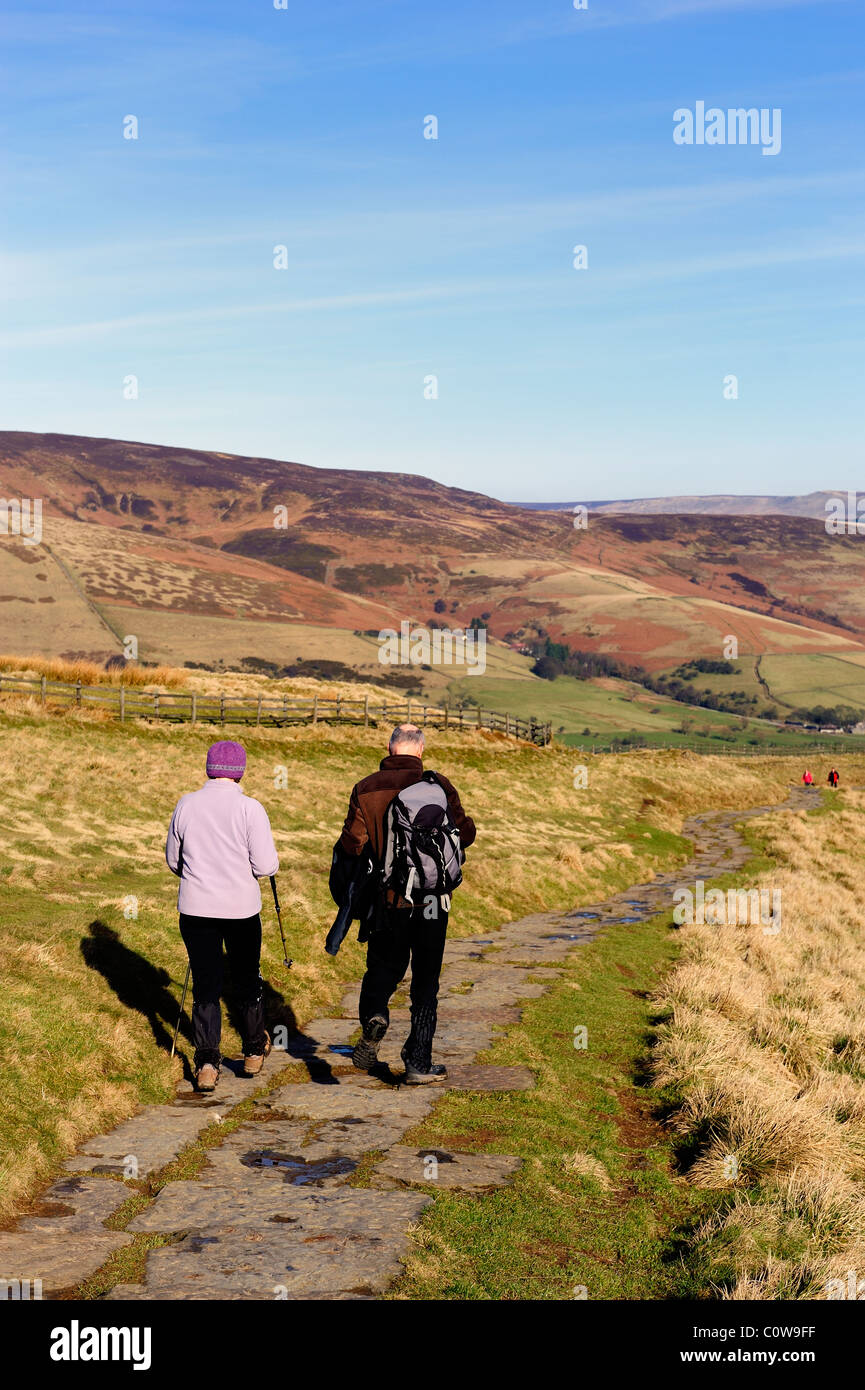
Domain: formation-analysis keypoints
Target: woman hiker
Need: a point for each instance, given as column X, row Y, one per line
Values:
column 219, row 844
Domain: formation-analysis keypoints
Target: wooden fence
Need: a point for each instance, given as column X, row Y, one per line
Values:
column 130, row 702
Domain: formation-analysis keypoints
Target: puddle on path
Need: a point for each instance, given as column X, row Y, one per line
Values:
column 298, row 1172
column 563, row 936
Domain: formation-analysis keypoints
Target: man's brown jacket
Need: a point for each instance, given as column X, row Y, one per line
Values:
column 364, row 823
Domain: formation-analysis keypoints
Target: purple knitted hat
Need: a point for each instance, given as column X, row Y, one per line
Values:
column 226, row 759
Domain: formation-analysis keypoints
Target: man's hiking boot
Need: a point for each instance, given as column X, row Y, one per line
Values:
column 365, row 1054
column 206, row 1077
column 414, row 1077
column 253, row 1063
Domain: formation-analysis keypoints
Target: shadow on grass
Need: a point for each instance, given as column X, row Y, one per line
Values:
column 144, row 987
column 137, row 984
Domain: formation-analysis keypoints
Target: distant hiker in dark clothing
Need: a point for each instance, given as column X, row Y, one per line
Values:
column 415, row 830
column 219, row 844
column 833, row 778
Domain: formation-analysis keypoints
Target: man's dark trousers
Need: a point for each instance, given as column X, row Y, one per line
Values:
column 203, row 938
column 402, row 936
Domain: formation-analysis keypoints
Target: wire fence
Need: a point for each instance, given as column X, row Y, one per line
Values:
column 129, row 702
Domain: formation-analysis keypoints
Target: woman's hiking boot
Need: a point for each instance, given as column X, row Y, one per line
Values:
column 206, row 1077
column 253, row 1062
column 365, row 1054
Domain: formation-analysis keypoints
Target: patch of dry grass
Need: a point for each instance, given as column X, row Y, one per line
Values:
column 91, row 673
column 229, row 683
column 766, row 1050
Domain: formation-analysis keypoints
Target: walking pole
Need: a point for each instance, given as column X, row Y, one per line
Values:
column 182, row 1002
column 285, row 960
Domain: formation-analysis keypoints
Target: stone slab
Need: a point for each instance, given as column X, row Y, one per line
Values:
column 126, row 1293
column 205, row 1205
column 60, row 1260
column 451, row 1170
column 357, row 1096
column 353, row 1247
column 149, row 1140
column 77, row 1204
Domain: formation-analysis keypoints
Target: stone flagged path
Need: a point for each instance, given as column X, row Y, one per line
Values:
column 271, row 1215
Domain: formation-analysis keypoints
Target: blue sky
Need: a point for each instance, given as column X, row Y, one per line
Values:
column 410, row 257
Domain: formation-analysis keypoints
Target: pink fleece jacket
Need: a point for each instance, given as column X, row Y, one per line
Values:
column 219, row 844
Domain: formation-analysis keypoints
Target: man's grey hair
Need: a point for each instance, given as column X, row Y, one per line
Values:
column 406, row 735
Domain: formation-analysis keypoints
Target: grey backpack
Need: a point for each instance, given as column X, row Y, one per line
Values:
column 422, row 851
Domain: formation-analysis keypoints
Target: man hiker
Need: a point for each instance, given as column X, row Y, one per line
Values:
column 219, row 844
column 833, row 778
column 413, row 826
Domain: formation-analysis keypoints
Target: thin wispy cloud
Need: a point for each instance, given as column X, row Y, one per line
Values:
column 604, row 280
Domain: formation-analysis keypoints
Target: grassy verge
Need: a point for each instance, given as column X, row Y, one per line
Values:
column 763, row 1056
column 597, row 1209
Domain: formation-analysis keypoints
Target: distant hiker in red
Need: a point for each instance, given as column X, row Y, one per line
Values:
column 833, row 778
column 807, row 778
column 219, row 844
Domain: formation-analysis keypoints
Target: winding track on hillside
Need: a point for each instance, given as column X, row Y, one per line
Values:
column 273, row 1214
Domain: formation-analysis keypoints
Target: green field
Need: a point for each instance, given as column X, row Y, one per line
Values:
column 815, row 679
column 609, row 706
column 613, row 710
column 807, row 679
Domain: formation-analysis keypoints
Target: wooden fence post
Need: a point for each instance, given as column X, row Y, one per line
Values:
column 315, row 709
column 447, row 713
column 408, row 715
column 122, row 703
column 222, row 707
column 156, row 704
column 78, row 692
column 193, row 707
column 258, row 710
column 366, row 712
column 44, row 685
column 480, row 717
